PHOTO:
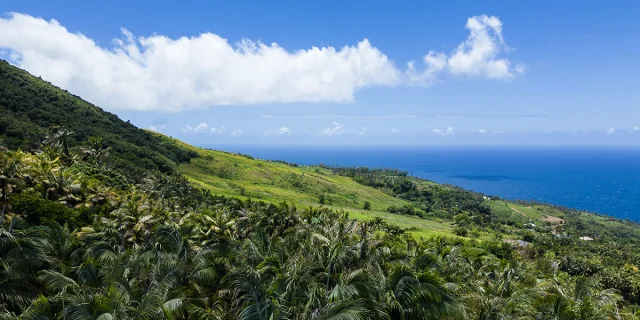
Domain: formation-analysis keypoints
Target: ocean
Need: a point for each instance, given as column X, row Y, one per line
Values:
column 597, row 179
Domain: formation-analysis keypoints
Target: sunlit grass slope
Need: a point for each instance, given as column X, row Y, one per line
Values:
column 240, row 176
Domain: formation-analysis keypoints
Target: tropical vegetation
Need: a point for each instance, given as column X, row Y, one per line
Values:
column 89, row 233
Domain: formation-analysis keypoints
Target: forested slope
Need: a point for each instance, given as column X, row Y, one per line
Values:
column 30, row 107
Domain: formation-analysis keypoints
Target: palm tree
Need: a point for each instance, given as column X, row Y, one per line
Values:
column 96, row 151
column 420, row 296
column 8, row 180
column 60, row 138
column 579, row 300
column 21, row 257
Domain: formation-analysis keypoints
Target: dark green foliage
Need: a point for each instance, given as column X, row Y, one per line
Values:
column 406, row 209
column 381, row 178
column 367, row 205
column 460, row 231
column 30, row 107
column 443, row 201
column 576, row 265
column 107, row 177
column 37, row 210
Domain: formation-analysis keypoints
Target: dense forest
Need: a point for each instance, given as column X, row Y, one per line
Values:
column 30, row 107
column 88, row 232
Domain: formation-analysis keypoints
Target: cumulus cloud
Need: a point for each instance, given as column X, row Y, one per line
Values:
column 200, row 128
column 611, row 131
column 479, row 55
column 434, row 62
column 160, row 73
column 444, row 132
column 394, row 130
column 164, row 74
column 237, row 133
column 636, row 128
column 337, row 128
column 153, row 128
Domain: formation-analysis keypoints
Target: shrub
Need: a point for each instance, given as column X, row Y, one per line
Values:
column 367, row 205
column 36, row 210
column 461, row 231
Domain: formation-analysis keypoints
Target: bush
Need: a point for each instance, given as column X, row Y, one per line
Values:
column 461, row 231
column 321, row 199
column 367, row 205
column 36, row 210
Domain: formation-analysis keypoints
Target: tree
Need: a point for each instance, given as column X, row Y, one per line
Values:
column 367, row 205
column 460, row 231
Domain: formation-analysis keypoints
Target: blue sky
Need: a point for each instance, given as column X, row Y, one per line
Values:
column 499, row 72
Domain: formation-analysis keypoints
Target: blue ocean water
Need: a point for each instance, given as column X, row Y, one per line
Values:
column 598, row 179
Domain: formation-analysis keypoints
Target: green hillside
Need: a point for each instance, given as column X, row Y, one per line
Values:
column 243, row 176
column 102, row 220
column 30, row 107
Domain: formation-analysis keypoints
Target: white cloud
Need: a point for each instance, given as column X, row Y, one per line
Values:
column 159, row 73
column 237, row 133
column 340, row 116
column 611, row 131
column 281, row 131
column 636, row 128
column 157, row 127
column 220, row 130
column 434, row 62
column 284, row 130
column 164, row 74
column 445, row 132
column 337, row 128
column 478, row 56
column 364, row 132
column 394, row 130
column 482, row 131
column 200, row 128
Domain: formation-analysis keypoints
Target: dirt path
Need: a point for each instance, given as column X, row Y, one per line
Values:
column 518, row 211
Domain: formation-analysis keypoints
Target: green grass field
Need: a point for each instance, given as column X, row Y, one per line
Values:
column 241, row 176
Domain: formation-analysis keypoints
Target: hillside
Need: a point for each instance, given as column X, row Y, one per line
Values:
column 30, row 107
column 205, row 234
column 274, row 182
